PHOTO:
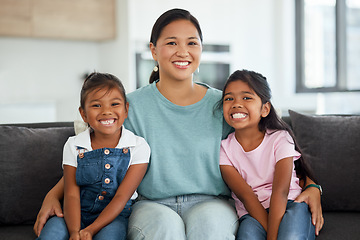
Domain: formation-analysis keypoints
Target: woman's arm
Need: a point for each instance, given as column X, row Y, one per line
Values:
column 131, row 181
column 312, row 197
column 51, row 206
column 279, row 196
column 72, row 211
column 244, row 192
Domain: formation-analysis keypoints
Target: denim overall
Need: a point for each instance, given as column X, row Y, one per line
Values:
column 99, row 174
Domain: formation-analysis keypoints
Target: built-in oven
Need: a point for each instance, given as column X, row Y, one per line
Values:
column 214, row 68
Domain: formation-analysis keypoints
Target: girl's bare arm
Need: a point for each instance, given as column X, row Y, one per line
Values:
column 244, row 192
column 131, row 181
column 279, row 196
column 72, row 212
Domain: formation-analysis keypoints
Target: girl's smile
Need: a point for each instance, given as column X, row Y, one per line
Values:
column 238, row 115
column 108, row 122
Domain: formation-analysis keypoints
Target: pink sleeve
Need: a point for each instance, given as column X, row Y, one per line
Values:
column 285, row 147
column 224, row 159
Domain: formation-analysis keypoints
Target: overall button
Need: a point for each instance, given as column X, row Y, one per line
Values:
column 101, row 198
column 81, row 155
column 107, row 151
column 103, row 193
column 125, row 150
column 107, row 180
column 107, row 166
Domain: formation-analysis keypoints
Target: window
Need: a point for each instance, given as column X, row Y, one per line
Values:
column 327, row 45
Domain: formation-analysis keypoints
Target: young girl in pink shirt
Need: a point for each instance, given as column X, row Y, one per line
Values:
column 258, row 163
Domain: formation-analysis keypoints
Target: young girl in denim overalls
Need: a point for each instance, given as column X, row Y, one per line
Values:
column 258, row 162
column 103, row 166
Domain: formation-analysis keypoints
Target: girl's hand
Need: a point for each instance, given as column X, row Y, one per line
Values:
column 85, row 235
column 312, row 197
column 75, row 236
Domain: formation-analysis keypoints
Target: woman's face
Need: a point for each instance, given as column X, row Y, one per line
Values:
column 177, row 51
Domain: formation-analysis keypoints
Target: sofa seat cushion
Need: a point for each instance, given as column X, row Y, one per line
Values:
column 332, row 146
column 17, row 232
column 30, row 165
column 340, row 225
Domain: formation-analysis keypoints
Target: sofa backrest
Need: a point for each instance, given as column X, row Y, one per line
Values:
column 31, row 157
column 30, row 165
column 331, row 145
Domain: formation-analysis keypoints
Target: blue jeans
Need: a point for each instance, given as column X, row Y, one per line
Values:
column 296, row 224
column 190, row 217
column 55, row 229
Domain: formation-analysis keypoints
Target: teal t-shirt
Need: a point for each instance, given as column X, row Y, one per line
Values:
column 184, row 141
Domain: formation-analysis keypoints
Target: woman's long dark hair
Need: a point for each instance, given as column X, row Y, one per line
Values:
column 165, row 19
column 272, row 121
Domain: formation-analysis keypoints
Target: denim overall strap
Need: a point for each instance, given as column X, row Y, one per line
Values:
column 99, row 174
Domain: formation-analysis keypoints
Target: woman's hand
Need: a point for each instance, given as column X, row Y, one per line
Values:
column 50, row 207
column 311, row 197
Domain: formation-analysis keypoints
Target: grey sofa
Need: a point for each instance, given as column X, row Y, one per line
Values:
column 31, row 155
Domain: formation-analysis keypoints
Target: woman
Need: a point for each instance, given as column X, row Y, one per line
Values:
column 182, row 195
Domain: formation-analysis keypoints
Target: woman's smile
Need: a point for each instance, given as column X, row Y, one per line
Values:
column 182, row 64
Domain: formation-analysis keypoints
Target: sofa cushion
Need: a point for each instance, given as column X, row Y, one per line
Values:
column 331, row 143
column 340, row 225
column 30, row 165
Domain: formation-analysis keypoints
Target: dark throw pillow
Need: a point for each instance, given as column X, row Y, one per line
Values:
column 331, row 143
column 30, row 165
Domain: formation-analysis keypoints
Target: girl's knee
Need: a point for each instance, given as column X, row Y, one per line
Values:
column 117, row 229
column 297, row 213
column 296, row 223
column 55, row 229
column 250, row 228
column 296, row 207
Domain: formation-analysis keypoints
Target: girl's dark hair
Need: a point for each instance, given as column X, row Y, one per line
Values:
column 272, row 121
column 165, row 19
column 100, row 81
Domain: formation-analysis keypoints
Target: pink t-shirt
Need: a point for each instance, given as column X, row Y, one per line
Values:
column 257, row 166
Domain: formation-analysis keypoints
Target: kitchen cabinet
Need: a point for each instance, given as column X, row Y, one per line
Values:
column 92, row 20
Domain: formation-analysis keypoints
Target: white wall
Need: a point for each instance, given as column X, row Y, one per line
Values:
column 44, row 75
column 260, row 33
column 40, row 79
